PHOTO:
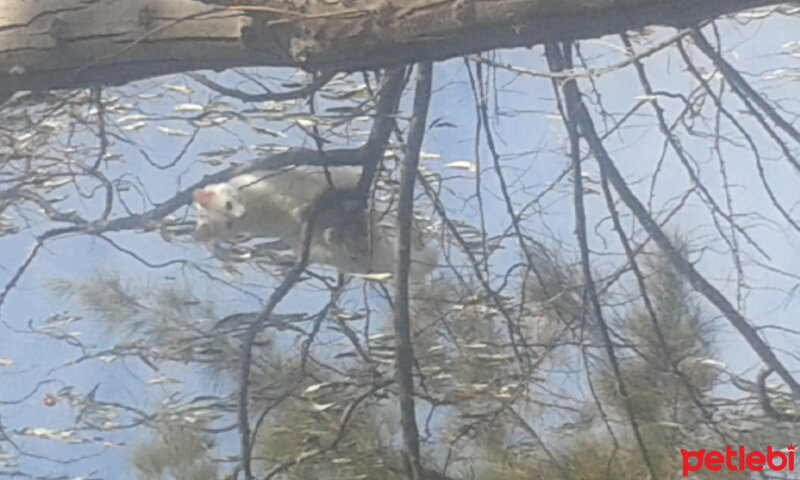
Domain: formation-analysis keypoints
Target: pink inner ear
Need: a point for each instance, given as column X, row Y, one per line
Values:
column 203, row 197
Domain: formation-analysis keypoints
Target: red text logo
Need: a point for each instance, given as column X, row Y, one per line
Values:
column 738, row 460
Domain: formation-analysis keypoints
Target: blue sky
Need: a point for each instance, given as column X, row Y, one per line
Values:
column 533, row 132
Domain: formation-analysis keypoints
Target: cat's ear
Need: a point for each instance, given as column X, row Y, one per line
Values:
column 204, row 197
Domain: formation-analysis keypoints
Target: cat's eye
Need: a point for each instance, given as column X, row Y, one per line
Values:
column 229, row 205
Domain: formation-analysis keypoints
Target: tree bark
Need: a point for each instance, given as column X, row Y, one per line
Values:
column 46, row 44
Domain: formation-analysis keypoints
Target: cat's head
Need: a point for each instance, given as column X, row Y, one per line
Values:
column 218, row 207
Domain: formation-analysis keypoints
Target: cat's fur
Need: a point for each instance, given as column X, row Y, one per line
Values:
column 276, row 203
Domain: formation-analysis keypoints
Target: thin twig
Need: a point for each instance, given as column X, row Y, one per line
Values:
column 319, row 81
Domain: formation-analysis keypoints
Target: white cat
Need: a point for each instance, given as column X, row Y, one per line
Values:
column 275, row 203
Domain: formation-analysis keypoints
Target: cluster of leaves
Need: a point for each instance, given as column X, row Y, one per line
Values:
column 323, row 383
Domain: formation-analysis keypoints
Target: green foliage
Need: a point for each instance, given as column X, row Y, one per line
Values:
column 175, row 452
column 665, row 369
column 320, row 415
column 670, row 371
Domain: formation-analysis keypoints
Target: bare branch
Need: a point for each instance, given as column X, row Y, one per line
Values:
column 584, row 121
column 559, row 60
column 303, row 92
column 140, row 40
column 278, row 294
column 402, row 321
column 385, row 110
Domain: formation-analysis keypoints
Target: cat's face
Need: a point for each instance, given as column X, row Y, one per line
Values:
column 218, row 208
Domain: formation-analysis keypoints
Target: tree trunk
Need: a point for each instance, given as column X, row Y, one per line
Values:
column 47, row 44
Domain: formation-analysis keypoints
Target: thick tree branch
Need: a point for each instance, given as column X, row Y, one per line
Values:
column 73, row 43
